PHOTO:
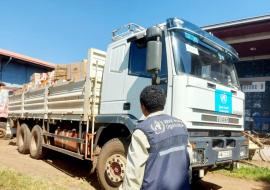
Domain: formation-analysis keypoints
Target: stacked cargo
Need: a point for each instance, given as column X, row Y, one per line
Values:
column 64, row 73
column 67, row 90
column 37, row 81
column 60, row 72
column 77, row 71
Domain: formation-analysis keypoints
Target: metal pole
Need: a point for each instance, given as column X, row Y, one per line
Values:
column 86, row 139
column 93, row 111
column 80, row 136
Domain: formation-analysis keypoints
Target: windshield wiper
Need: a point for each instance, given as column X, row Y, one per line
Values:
column 212, row 79
column 233, row 86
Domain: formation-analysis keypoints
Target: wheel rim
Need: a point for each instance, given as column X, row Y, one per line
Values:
column 2, row 133
column 115, row 168
column 33, row 142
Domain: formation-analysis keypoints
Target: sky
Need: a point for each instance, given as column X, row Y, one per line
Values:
column 61, row 31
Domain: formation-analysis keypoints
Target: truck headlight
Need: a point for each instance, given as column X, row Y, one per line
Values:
column 243, row 151
column 197, row 156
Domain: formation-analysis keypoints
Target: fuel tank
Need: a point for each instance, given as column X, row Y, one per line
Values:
column 69, row 144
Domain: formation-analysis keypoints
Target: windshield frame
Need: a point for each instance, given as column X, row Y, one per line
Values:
column 197, row 41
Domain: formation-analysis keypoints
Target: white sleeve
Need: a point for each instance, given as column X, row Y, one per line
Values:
column 190, row 151
column 136, row 160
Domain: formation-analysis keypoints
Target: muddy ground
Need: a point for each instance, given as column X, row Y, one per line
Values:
column 72, row 173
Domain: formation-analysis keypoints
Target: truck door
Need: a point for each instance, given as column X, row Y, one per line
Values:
column 113, row 95
column 137, row 77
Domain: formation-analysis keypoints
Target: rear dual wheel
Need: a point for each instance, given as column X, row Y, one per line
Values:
column 30, row 142
column 2, row 133
column 23, row 139
column 2, row 130
column 36, row 149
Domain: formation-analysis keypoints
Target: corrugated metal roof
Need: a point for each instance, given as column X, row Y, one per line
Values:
column 250, row 36
column 26, row 58
column 237, row 22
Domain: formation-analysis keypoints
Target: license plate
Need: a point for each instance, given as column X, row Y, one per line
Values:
column 225, row 154
column 222, row 119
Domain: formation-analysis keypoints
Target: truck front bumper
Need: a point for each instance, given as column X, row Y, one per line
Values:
column 212, row 151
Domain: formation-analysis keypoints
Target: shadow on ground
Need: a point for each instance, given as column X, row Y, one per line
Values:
column 203, row 185
column 80, row 169
column 12, row 143
column 73, row 167
column 266, row 186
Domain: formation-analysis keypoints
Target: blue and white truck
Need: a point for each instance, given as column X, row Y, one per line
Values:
column 93, row 119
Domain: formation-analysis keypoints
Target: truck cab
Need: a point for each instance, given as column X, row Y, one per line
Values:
column 197, row 72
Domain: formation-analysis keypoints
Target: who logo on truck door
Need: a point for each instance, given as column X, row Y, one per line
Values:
column 223, row 101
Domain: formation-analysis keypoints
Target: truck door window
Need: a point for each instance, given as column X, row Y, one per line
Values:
column 137, row 60
column 117, row 58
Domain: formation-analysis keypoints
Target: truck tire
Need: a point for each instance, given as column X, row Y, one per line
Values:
column 36, row 149
column 23, row 139
column 111, row 164
column 2, row 133
column 2, row 130
column 195, row 176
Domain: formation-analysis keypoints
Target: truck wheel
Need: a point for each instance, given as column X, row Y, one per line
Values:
column 111, row 164
column 2, row 133
column 23, row 139
column 196, row 177
column 2, row 130
column 36, row 150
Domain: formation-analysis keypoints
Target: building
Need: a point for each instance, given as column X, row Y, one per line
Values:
column 16, row 69
column 251, row 39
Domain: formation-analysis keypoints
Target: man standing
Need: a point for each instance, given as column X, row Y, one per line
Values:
column 157, row 156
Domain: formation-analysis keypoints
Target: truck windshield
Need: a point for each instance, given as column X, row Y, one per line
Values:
column 194, row 56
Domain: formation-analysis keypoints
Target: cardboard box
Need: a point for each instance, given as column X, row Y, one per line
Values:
column 60, row 72
column 35, row 77
column 77, row 71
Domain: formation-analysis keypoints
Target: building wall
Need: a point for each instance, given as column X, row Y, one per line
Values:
column 254, row 78
column 18, row 73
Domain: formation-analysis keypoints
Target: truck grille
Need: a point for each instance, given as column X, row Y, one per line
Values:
column 213, row 118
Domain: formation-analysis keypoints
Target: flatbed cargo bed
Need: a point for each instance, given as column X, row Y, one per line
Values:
column 70, row 100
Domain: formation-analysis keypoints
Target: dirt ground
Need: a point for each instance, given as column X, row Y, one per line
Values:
column 66, row 171
column 71, row 173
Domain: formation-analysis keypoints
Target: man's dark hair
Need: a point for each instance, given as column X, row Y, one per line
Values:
column 153, row 98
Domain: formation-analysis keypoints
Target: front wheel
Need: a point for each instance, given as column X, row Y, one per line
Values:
column 195, row 176
column 111, row 164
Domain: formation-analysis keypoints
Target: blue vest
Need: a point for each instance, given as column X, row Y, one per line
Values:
column 168, row 163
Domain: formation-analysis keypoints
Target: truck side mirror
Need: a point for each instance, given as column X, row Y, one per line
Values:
column 154, row 52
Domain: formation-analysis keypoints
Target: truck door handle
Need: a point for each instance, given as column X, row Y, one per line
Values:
column 126, row 106
column 234, row 92
column 210, row 85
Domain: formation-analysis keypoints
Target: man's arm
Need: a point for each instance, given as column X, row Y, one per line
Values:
column 189, row 147
column 136, row 160
column 190, row 151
